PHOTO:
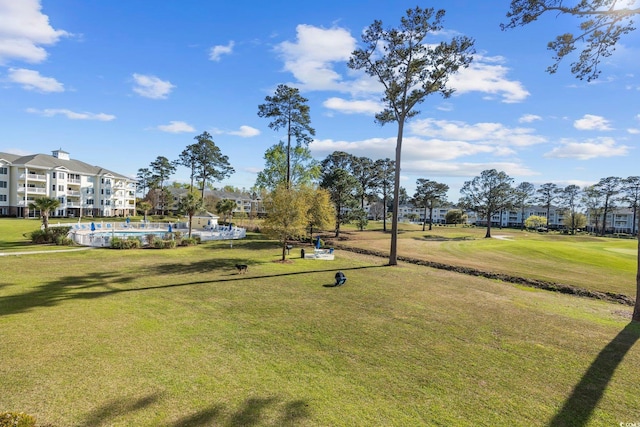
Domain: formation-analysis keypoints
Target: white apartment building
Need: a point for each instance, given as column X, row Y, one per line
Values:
column 619, row 220
column 82, row 189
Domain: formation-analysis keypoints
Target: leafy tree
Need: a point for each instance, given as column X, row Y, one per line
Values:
column 575, row 221
column 225, row 208
column 593, row 200
column 188, row 158
column 547, row 194
column 286, row 215
column 487, row 194
column 610, row 188
column 535, row 222
column 455, row 216
column 190, row 205
column 342, row 187
column 363, row 169
column 145, row 180
column 569, row 198
column 631, row 191
column 210, row 163
column 321, row 213
column 360, row 217
column 161, row 169
column 523, row 197
column 409, row 69
column 602, row 23
column 304, row 168
column 386, row 170
column 289, row 111
column 429, row 194
column 45, row 205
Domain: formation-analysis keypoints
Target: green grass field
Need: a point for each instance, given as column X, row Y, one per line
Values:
column 594, row 263
column 179, row 338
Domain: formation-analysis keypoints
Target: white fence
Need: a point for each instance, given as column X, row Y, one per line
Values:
column 99, row 234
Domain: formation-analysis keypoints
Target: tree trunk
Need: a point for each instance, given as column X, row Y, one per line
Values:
column 190, row 220
column 393, row 253
column 636, row 309
column 384, row 213
column 284, row 250
column 430, row 218
column 424, row 222
column 488, row 235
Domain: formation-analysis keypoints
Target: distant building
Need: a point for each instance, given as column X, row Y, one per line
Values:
column 82, row 189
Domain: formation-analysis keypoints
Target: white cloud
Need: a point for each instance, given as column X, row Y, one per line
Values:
column 151, row 86
column 176, row 127
column 217, row 51
column 594, row 148
column 529, row 118
column 464, row 169
column 592, row 122
column 32, row 80
column 488, row 133
column 487, row 76
column 245, row 132
column 24, row 30
column 633, row 131
column 50, row 112
column 355, row 106
column 312, row 57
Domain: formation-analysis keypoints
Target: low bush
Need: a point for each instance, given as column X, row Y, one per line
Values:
column 130, row 243
column 189, row 241
column 16, row 419
column 52, row 235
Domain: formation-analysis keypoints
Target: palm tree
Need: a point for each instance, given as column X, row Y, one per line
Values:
column 225, row 208
column 45, row 205
column 190, row 205
column 145, row 206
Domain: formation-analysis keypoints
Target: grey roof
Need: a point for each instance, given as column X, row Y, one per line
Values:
column 45, row 161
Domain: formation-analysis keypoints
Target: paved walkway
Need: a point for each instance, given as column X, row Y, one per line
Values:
column 45, row 252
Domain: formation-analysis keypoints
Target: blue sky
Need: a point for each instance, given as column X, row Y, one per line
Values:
column 118, row 83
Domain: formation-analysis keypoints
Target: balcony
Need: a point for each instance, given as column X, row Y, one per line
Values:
column 33, row 177
column 73, row 181
column 32, row 190
column 73, row 193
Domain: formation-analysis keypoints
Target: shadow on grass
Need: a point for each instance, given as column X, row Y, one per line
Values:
column 579, row 407
column 117, row 408
column 96, row 285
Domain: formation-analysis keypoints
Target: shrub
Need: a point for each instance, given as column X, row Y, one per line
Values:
column 64, row 241
column 169, row 244
column 16, row 419
column 193, row 241
column 39, row 237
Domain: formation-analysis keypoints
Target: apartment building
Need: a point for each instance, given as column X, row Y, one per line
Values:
column 82, row 189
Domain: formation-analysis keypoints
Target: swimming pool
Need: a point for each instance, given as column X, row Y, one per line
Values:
column 101, row 234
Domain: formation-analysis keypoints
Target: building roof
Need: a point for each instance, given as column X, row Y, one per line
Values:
column 45, row 161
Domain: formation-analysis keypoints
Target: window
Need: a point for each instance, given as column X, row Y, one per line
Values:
column 3, row 197
column 53, row 187
column 60, row 187
column 3, row 171
column 108, row 203
column 3, row 184
column 108, row 192
column 61, row 199
column 89, row 202
column 61, row 175
column 53, row 174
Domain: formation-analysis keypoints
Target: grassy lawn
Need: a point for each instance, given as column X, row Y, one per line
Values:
column 595, row 263
column 178, row 338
